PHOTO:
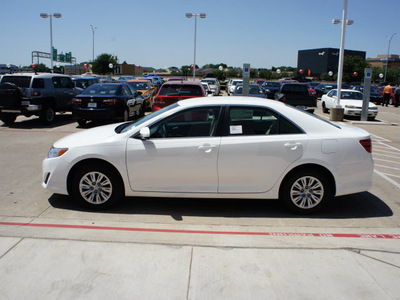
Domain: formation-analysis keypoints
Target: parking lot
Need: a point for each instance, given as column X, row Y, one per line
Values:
column 206, row 245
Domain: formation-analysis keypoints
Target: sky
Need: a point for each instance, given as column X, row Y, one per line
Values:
column 156, row 33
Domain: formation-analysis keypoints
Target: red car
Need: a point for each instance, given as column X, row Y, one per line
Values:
column 174, row 91
column 392, row 99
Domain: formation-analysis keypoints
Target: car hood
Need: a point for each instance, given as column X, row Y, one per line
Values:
column 355, row 103
column 88, row 137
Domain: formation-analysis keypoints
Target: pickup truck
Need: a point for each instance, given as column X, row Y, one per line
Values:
column 297, row 95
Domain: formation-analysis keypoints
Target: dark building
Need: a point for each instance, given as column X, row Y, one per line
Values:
column 315, row 62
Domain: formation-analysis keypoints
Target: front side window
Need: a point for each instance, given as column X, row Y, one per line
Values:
column 198, row 122
column 258, row 121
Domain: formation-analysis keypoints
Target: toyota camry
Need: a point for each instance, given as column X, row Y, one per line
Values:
column 222, row 147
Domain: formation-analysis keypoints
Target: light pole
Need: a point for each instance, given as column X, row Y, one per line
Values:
column 387, row 58
column 44, row 16
column 93, row 30
column 203, row 16
column 337, row 112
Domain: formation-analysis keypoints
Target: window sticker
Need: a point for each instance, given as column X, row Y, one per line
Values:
column 236, row 129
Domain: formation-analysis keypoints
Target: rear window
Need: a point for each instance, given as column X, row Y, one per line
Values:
column 97, row 89
column 295, row 89
column 181, row 90
column 19, row 81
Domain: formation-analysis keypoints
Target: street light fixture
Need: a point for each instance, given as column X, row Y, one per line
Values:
column 203, row 16
column 344, row 22
column 44, row 16
column 93, row 30
column 387, row 58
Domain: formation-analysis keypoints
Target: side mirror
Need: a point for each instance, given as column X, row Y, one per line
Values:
column 144, row 133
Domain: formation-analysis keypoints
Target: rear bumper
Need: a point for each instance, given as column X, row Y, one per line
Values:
column 22, row 110
column 96, row 114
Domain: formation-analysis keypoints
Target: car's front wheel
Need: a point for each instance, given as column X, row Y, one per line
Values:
column 306, row 191
column 324, row 109
column 97, row 186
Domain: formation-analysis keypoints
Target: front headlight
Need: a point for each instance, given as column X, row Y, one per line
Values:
column 56, row 152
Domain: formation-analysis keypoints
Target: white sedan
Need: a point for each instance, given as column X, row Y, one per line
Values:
column 351, row 101
column 227, row 147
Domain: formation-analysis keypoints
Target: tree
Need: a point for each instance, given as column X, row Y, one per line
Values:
column 101, row 64
column 353, row 65
column 186, row 70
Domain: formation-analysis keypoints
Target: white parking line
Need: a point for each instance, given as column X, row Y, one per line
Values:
column 387, row 167
column 387, row 178
column 389, row 161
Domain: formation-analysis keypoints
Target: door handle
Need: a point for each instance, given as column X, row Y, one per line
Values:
column 292, row 146
column 207, row 148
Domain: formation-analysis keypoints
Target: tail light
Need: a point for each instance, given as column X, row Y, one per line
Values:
column 110, row 101
column 36, row 93
column 76, row 101
column 367, row 144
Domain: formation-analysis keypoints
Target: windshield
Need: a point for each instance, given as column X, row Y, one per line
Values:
column 139, row 85
column 209, row 81
column 101, row 89
column 128, row 126
column 351, row 95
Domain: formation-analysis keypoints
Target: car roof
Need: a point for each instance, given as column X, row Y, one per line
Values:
column 42, row 75
column 138, row 80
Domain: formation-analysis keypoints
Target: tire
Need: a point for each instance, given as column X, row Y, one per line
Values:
column 125, row 117
column 8, row 119
column 142, row 110
column 82, row 122
column 97, row 186
column 306, row 191
column 47, row 115
column 324, row 109
column 10, row 95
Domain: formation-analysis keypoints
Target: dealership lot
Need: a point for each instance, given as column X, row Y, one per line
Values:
column 195, row 248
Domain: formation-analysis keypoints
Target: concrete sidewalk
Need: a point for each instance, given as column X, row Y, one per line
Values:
column 40, row 268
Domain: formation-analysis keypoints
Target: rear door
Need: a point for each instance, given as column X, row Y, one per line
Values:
column 257, row 149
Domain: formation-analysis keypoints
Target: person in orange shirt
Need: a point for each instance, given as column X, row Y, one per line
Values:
column 387, row 93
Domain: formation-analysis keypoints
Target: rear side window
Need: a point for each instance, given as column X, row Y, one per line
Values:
column 62, row 83
column 181, row 90
column 38, row 83
column 19, row 81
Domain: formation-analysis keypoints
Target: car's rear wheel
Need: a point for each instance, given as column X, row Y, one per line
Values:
column 306, row 191
column 48, row 115
column 8, row 118
column 97, row 186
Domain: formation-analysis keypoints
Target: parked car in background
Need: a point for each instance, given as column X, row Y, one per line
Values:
column 83, row 82
column 322, row 88
column 107, row 79
column 374, row 96
column 207, row 89
column 176, row 79
column 270, row 88
column 31, row 94
column 123, row 79
column 220, row 147
column 107, row 101
column 214, row 85
column 297, row 95
column 259, row 81
column 380, row 91
column 254, row 91
column 231, row 86
column 148, row 92
column 174, row 91
column 351, row 100
column 157, row 79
